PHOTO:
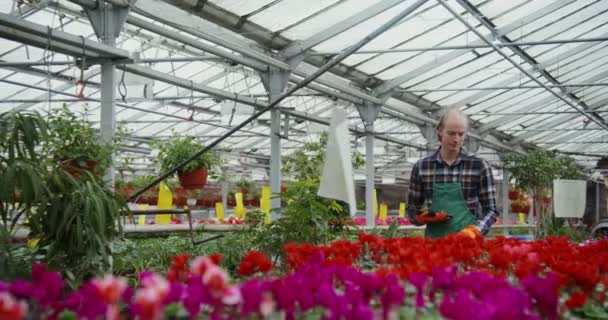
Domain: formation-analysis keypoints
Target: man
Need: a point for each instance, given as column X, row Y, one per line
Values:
column 448, row 188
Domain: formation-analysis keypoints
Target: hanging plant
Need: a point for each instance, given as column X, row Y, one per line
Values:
column 75, row 144
column 194, row 174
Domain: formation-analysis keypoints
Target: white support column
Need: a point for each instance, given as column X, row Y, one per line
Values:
column 506, row 207
column 107, row 21
column 369, row 113
column 275, row 82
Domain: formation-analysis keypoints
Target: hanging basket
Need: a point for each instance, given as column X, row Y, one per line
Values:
column 75, row 167
column 194, row 179
column 514, row 195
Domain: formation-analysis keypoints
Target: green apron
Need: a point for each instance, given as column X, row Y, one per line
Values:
column 448, row 197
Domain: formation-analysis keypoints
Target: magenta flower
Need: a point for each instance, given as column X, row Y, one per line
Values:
column 464, row 307
column 48, row 285
column 21, row 289
column 545, row 293
column 251, row 289
column 418, row 280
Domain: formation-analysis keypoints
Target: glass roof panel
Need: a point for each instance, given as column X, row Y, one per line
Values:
column 355, row 34
column 327, row 18
column 287, row 12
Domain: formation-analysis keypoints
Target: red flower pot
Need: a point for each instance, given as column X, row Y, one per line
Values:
column 246, row 203
column 153, row 201
column 255, row 203
column 232, row 202
column 200, row 202
column 74, row 168
column 180, row 192
column 194, row 179
column 525, row 209
column 180, row 201
column 514, row 195
column 516, row 208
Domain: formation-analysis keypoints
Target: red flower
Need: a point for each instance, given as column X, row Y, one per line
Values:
column 576, row 300
column 179, row 269
column 253, row 262
column 216, row 258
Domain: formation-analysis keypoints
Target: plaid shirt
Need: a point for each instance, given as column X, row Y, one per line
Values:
column 477, row 186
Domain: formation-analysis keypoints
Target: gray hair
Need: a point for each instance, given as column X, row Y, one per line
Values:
column 445, row 114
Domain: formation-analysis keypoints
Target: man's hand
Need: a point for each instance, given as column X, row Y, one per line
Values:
column 425, row 217
column 471, row 231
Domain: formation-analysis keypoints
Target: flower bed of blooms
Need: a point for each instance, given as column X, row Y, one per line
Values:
column 372, row 278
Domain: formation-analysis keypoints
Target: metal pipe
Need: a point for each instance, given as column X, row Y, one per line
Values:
column 523, row 113
column 93, row 4
column 545, row 130
column 466, row 47
column 574, row 85
column 334, row 61
column 369, row 170
column 28, row 32
column 574, row 142
column 141, row 23
column 514, row 63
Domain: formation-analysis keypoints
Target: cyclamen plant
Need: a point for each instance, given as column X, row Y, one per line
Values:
column 328, row 282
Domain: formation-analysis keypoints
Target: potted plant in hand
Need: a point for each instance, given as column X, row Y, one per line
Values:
column 74, row 143
column 194, row 174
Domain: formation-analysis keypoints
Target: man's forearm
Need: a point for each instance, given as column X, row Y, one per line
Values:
column 485, row 223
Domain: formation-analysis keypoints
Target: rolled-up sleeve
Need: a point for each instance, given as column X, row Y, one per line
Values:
column 487, row 199
column 415, row 197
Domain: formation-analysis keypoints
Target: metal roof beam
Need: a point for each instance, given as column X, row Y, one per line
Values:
column 468, row 47
column 37, row 35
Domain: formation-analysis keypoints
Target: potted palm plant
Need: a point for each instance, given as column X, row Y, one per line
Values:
column 194, row 174
column 75, row 220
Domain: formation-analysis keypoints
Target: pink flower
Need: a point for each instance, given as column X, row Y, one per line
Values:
column 110, row 288
column 156, row 283
column 199, row 266
column 11, row 308
column 148, row 303
column 215, row 279
column 232, row 296
column 266, row 305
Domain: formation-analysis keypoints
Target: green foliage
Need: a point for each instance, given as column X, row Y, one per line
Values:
column 537, row 169
column 76, row 223
column 558, row 228
column 306, row 163
column 75, row 217
column 306, row 218
column 21, row 170
column 21, row 167
column 132, row 256
column 177, row 150
column 72, row 138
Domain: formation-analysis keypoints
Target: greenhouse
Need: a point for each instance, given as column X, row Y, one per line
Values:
column 283, row 159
